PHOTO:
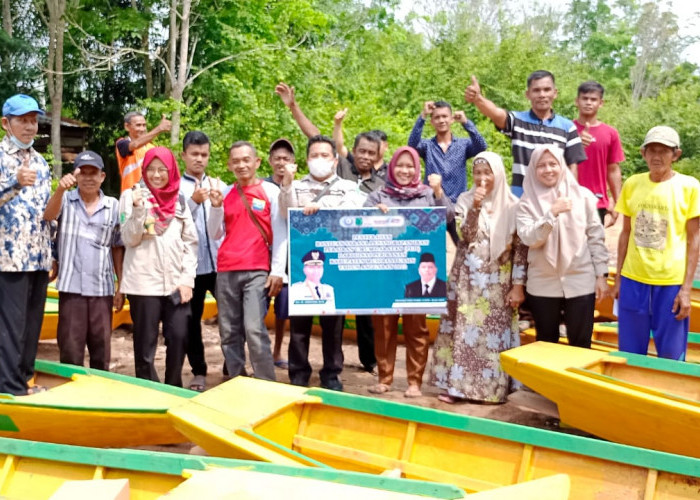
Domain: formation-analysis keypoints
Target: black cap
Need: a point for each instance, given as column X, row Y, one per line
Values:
column 314, row 256
column 91, row 158
column 427, row 257
column 283, row 142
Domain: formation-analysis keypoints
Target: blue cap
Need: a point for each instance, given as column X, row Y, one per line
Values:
column 19, row 105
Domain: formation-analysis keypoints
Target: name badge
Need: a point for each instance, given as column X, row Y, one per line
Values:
column 258, row 204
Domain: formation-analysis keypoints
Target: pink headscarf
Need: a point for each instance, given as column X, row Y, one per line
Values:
column 569, row 232
column 163, row 200
column 416, row 188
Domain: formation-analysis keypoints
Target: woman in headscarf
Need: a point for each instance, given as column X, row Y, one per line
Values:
column 485, row 288
column 160, row 262
column 404, row 188
column 568, row 259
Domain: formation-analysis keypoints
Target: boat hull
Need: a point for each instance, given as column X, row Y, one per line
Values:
column 622, row 397
column 316, row 427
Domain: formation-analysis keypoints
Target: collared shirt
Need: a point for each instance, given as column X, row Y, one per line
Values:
column 381, row 172
column 25, row 239
column 526, row 131
column 430, row 284
column 450, row 164
column 348, row 170
column 85, row 245
column 341, row 194
column 208, row 248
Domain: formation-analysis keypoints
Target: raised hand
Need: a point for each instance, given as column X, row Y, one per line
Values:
column 473, row 91
column 137, row 195
column 290, row 169
column 68, row 181
column 200, row 193
column 586, row 137
column 165, row 125
column 460, row 117
column 435, row 183
column 428, row 107
column 479, row 194
column 560, row 205
column 340, row 116
column 216, row 194
column 286, row 93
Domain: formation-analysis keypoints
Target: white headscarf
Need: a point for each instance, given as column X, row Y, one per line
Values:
column 569, row 232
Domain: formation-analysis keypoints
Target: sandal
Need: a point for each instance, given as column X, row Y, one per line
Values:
column 282, row 363
column 36, row 389
column 446, row 398
column 413, row 391
column 198, row 383
column 379, row 389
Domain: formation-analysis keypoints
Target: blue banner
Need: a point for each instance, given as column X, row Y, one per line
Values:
column 362, row 261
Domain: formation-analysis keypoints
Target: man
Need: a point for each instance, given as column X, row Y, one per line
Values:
column 322, row 188
column 281, row 154
column 89, row 253
column 657, row 252
column 311, row 288
column 132, row 148
column 370, row 176
column 25, row 259
column 601, row 169
column 444, row 153
column 429, row 285
column 250, row 263
column 195, row 186
column 527, row 129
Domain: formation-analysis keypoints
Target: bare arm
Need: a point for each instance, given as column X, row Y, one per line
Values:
column 497, row 115
column 615, row 180
column 338, row 132
column 163, row 126
column 286, row 93
column 574, row 169
column 622, row 243
column 53, row 207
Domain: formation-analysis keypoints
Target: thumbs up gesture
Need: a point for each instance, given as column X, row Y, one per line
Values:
column 480, row 193
column 26, row 176
column 473, row 91
column 165, row 125
column 586, row 137
column 137, row 195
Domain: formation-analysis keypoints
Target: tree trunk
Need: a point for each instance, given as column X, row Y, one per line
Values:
column 57, row 27
column 7, row 17
column 182, row 69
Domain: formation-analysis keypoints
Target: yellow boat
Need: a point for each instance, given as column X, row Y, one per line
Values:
column 89, row 407
column 119, row 318
column 37, row 471
column 605, row 339
column 627, row 398
column 253, row 419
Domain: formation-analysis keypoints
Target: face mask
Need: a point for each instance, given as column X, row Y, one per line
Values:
column 320, row 168
column 17, row 142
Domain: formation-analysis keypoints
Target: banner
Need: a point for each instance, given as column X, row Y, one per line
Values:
column 362, row 261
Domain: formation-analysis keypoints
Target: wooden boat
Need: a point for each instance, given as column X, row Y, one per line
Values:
column 119, row 318
column 627, row 398
column 89, row 407
column 294, row 425
column 605, row 339
column 35, row 471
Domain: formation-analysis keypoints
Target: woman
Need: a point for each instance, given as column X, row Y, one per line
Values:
column 568, row 259
column 160, row 262
column 485, row 288
column 404, row 188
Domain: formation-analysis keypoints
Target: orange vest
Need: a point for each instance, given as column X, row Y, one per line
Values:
column 130, row 167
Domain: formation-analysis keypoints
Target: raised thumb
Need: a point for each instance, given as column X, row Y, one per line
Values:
column 474, row 81
column 587, row 128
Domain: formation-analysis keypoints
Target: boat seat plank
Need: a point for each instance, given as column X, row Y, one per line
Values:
column 380, row 463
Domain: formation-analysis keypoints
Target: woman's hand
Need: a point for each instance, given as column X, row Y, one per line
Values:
column 137, row 195
column 516, row 296
column 185, row 294
column 602, row 290
column 383, row 208
column 435, row 183
column 479, row 194
column 560, row 205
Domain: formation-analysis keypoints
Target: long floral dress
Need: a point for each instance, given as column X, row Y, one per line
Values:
column 478, row 324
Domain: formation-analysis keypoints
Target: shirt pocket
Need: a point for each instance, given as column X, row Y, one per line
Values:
column 101, row 234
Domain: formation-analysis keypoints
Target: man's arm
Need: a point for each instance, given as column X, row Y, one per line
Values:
column 574, row 169
column 615, row 184
column 498, row 116
column 681, row 304
column 478, row 142
column 163, row 126
column 622, row 243
column 53, row 207
column 286, row 93
column 338, row 133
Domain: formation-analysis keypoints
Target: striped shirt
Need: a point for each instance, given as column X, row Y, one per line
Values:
column 85, row 245
column 450, row 164
column 526, row 131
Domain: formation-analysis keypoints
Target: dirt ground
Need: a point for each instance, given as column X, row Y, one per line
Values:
column 523, row 407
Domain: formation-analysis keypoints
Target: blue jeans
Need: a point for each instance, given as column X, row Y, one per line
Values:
column 242, row 299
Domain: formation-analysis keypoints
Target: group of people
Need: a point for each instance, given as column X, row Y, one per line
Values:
column 172, row 238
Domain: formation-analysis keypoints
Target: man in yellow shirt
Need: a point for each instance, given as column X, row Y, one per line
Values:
column 132, row 148
column 657, row 250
